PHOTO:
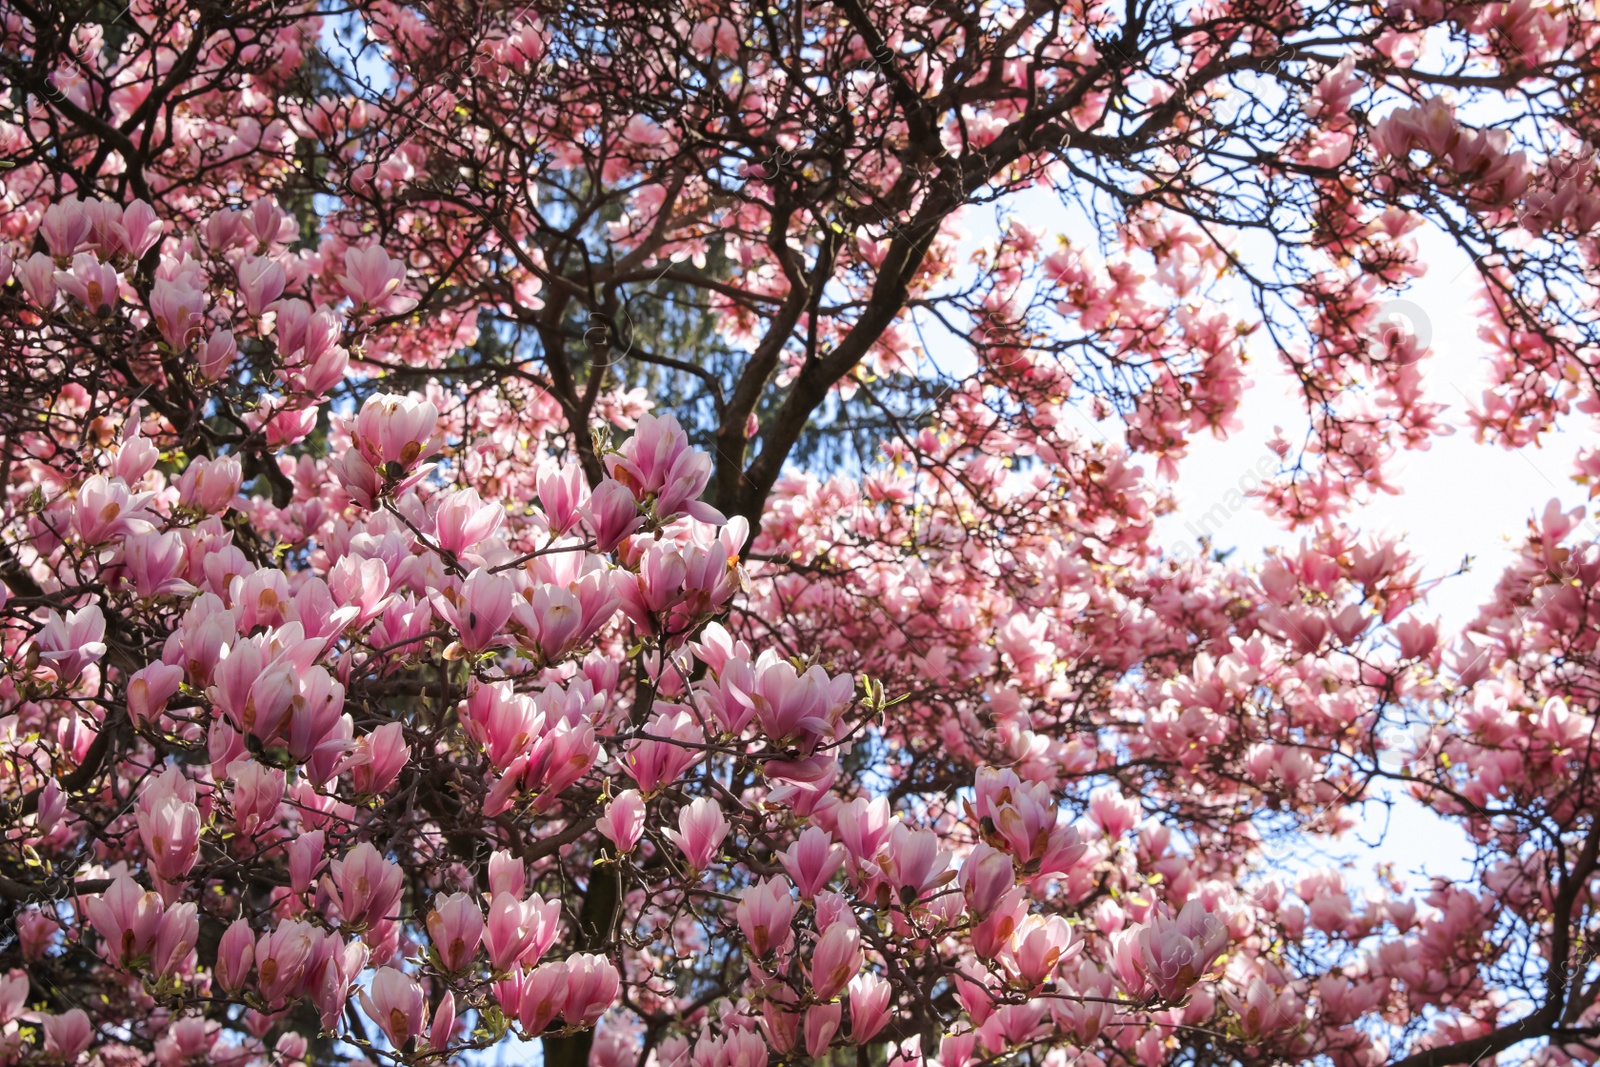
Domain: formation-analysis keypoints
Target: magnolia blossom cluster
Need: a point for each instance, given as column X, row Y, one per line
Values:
column 378, row 688
column 319, row 736
column 549, row 673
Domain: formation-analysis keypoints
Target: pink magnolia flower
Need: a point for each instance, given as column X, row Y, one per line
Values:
column 316, row 370
column 812, row 860
column 863, row 826
column 657, row 462
column 623, row 820
column 358, row 478
column 796, row 711
column 1330, row 909
column 598, row 597
column 592, row 986
column 178, row 311
column 137, row 233
column 377, row 758
column 37, row 275
column 261, row 281
column 35, row 932
column 188, row 1040
column 281, row 959
column 169, row 824
column 1112, row 812
column 305, row 859
column 176, row 937
column 673, row 1052
column 285, row 424
column 744, row 1048
column 1026, row 821
column 155, row 564
column 402, row 627
column 394, row 429
column 70, row 644
column 955, row 1050
column 831, row 908
column 563, row 754
column 235, row 954
column 260, row 598
column 1431, row 126
column 1013, row 1024
column 213, row 358
column 397, row 1005
column 68, row 1035
column 563, row 494
column 553, row 619
column 869, row 1006
column 612, row 515
column 331, row 974
column 986, row 876
column 94, row 284
column 701, row 828
column 303, row 333
column 717, row 648
column 504, row 722
column 13, row 995
column 1087, row 1019
column 506, row 874
column 764, row 913
column 107, row 509
column 366, row 886
column 315, row 724
column 480, row 609
column 223, row 229
column 1416, row 638
column 656, row 763
column 268, row 223
column 1175, row 952
column 507, row 992
column 456, row 925
column 444, row 1023
column 660, row 584
column 519, row 932
column 137, row 455
column 126, row 917
column 836, row 959
column 779, row 1023
column 1263, row 1010
column 52, row 806
column 105, row 218
column 462, row 520
column 224, row 745
column 544, row 997
column 210, row 485
column 1039, row 945
column 711, row 576
column 362, row 584
column 255, row 693
column 822, row 1022
column 255, row 795
column 915, row 865
column 370, row 276
column 992, row 935
column 65, row 227
column 614, row 1046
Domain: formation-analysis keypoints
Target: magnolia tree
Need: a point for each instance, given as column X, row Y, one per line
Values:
column 489, row 564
